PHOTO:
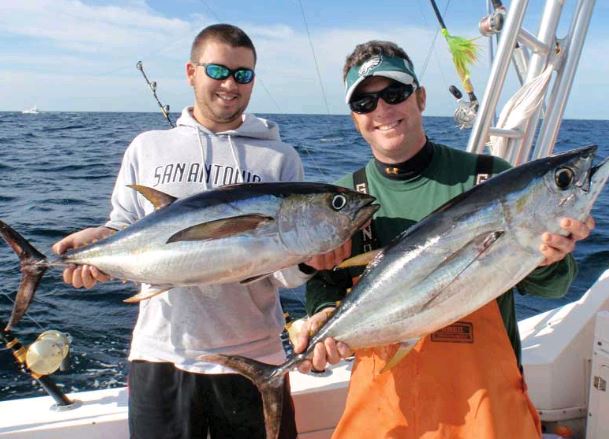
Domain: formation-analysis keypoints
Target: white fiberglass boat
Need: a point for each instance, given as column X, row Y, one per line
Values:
column 565, row 358
column 33, row 110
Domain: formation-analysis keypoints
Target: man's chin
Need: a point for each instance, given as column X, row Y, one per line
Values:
column 228, row 117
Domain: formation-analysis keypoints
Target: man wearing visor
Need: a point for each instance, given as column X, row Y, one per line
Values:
column 172, row 394
column 458, row 387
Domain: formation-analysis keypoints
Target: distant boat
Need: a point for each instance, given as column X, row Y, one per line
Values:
column 33, row 110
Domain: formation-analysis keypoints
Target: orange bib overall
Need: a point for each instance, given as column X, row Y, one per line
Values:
column 461, row 382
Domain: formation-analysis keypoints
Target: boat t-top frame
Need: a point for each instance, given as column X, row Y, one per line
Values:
column 536, row 54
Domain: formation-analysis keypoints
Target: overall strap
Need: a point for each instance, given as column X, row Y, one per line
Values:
column 484, row 168
column 368, row 234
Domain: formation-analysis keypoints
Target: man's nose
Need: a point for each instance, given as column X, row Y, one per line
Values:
column 230, row 83
column 382, row 106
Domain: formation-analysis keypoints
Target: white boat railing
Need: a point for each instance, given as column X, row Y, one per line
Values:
column 545, row 49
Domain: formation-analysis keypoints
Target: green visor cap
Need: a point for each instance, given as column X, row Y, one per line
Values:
column 390, row 67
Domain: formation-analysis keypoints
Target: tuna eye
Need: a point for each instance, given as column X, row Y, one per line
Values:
column 338, row 202
column 563, row 178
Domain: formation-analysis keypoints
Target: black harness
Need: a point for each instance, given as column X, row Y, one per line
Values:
column 484, row 170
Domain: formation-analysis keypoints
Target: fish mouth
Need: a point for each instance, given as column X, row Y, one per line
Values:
column 596, row 168
column 598, row 175
column 364, row 213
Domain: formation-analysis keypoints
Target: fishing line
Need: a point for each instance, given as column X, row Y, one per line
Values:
column 321, row 85
column 26, row 313
column 294, row 292
column 258, row 78
column 260, row 81
column 431, row 51
column 211, row 10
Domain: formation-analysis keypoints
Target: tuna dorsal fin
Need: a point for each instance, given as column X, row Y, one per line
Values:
column 403, row 350
column 157, row 198
column 360, row 260
column 146, row 294
column 220, row 228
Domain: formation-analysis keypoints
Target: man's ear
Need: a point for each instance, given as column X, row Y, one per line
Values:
column 355, row 123
column 421, row 98
column 190, row 72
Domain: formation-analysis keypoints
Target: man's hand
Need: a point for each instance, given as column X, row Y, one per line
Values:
column 555, row 247
column 83, row 275
column 328, row 351
column 328, row 261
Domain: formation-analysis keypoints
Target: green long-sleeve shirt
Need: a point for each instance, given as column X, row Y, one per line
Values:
column 404, row 203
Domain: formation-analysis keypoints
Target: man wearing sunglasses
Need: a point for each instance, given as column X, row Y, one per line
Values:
column 171, row 393
column 464, row 381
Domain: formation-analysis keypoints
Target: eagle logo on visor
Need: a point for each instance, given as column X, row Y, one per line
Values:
column 369, row 65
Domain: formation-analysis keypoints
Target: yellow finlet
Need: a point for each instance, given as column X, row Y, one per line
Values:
column 359, row 260
column 403, row 350
column 146, row 294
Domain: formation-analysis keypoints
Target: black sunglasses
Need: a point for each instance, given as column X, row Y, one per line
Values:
column 242, row 75
column 394, row 93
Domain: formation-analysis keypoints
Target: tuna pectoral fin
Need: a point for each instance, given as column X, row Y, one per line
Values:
column 403, row 350
column 157, row 198
column 359, row 260
column 146, row 294
column 253, row 279
column 33, row 266
column 270, row 385
column 220, row 228
column 458, row 263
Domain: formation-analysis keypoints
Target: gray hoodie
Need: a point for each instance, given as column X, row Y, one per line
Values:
column 184, row 323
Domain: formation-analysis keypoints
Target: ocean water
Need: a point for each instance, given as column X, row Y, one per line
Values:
column 57, row 171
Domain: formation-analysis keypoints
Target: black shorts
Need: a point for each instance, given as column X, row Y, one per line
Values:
column 165, row 402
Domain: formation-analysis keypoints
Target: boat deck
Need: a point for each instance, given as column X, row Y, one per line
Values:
column 102, row 414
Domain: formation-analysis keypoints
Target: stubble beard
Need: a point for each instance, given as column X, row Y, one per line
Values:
column 223, row 116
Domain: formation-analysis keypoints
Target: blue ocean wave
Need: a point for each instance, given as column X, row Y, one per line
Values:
column 56, row 176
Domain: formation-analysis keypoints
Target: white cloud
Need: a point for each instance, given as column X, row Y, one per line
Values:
column 76, row 56
column 76, row 26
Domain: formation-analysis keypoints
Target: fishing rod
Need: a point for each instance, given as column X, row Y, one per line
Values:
column 164, row 108
column 464, row 53
column 43, row 357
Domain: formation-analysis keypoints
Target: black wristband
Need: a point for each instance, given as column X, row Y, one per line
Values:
column 306, row 269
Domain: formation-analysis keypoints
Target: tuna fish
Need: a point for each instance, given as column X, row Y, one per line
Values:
column 453, row 262
column 237, row 233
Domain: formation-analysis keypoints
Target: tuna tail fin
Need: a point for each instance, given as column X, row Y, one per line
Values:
column 33, row 266
column 269, row 380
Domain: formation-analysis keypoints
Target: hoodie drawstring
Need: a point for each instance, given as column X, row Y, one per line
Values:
column 232, row 150
column 202, row 154
column 234, row 153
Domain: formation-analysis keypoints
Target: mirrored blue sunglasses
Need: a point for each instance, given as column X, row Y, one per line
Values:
column 242, row 75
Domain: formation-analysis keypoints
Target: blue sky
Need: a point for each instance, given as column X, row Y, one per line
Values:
column 80, row 55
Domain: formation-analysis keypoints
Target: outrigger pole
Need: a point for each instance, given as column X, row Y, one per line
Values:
column 152, row 85
column 46, row 382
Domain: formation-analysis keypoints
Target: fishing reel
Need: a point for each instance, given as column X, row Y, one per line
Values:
column 49, row 353
column 43, row 357
column 466, row 112
column 492, row 23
